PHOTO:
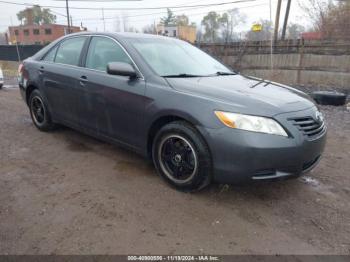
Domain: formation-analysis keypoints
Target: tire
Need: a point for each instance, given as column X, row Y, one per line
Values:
column 329, row 98
column 39, row 112
column 181, row 157
column 1, row 86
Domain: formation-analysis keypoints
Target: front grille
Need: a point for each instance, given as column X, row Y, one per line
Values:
column 309, row 126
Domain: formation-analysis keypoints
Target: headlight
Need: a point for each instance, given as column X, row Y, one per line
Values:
column 251, row 123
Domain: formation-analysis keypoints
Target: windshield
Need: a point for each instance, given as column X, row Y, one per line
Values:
column 171, row 57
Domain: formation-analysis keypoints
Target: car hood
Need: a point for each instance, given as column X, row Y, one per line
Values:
column 245, row 94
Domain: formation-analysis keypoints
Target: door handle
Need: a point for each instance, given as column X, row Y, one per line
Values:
column 83, row 80
column 41, row 70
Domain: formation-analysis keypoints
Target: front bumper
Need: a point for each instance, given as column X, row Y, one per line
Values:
column 241, row 156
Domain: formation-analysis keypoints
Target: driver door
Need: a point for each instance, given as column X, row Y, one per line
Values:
column 112, row 106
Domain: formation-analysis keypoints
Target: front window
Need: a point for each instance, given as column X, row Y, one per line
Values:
column 170, row 57
column 103, row 50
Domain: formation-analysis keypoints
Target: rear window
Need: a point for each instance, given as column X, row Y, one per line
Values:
column 50, row 56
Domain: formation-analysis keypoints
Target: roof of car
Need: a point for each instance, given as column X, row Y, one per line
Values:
column 122, row 35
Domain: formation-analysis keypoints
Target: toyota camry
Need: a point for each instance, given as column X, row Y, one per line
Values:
column 198, row 120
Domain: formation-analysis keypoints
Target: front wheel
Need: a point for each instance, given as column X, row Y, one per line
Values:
column 182, row 157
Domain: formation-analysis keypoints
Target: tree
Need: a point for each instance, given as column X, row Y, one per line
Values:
column 116, row 24
column 330, row 18
column 264, row 34
column 37, row 14
column 182, row 20
column 169, row 19
column 294, row 31
column 149, row 29
column 211, row 24
column 229, row 21
column 224, row 22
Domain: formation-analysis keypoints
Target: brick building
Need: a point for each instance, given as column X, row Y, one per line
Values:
column 38, row 34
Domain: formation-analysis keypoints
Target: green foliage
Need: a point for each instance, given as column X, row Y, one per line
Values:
column 40, row 15
column 169, row 19
column 221, row 27
column 211, row 24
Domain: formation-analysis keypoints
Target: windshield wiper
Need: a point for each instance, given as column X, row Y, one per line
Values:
column 220, row 73
column 182, row 75
column 258, row 83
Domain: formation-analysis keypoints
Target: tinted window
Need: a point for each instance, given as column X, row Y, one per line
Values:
column 69, row 51
column 103, row 50
column 50, row 56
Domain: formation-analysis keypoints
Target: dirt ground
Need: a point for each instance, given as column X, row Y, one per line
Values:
column 66, row 193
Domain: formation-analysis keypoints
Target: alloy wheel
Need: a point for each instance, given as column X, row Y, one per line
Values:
column 38, row 110
column 178, row 159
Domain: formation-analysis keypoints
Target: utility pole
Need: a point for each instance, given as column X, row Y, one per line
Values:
column 271, row 42
column 103, row 19
column 286, row 20
column 68, row 23
column 277, row 21
column 18, row 55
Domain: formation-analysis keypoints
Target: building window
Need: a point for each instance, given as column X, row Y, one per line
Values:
column 174, row 33
column 16, row 32
column 48, row 31
column 26, row 32
column 36, row 32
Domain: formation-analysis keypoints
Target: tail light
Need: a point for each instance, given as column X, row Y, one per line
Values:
column 22, row 73
column 20, row 69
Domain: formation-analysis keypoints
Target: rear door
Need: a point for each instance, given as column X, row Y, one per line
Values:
column 60, row 72
column 113, row 105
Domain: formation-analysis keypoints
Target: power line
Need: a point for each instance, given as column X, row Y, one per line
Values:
column 164, row 12
column 97, row 0
column 192, row 14
column 131, row 8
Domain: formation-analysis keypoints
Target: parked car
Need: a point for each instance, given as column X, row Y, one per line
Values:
column 1, row 78
column 195, row 118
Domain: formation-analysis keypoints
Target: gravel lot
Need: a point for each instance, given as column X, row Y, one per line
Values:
column 66, row 193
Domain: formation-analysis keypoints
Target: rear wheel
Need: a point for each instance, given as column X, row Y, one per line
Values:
column 181, row 157
column 39, row 112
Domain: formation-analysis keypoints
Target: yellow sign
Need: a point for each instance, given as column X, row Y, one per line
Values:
column 257, row 27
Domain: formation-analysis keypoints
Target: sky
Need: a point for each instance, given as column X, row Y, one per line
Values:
column 254, row 10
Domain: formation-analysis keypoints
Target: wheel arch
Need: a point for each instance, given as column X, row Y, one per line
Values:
column 163, row 120
column 30, row 88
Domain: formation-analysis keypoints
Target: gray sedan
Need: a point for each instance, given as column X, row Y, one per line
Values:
column 197, row 120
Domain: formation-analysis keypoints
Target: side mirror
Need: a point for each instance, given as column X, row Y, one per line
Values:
column 121, row 69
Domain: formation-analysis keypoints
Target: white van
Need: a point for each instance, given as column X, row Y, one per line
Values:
column 1, row 78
